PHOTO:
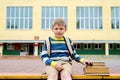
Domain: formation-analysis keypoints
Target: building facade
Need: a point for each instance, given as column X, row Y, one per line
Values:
column 93, row 25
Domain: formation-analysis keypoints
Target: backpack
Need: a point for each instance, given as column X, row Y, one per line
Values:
column 67, row 42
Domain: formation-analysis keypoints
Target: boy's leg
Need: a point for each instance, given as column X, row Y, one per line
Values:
column 66, row 73
column 52, row 73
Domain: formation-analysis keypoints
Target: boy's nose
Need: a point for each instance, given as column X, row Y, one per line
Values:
column 58, row 30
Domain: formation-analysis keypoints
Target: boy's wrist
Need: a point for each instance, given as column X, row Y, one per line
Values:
column 53, row 63
column 82, row 60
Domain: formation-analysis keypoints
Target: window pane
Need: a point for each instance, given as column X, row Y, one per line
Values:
column 91, row 23
column 21, row 12
column 96, row 14
column 43, row 23
column 12, row 23
column 26, row 12
column 17, row 24
column 65, row 12
column 78, row 12
column 8, row 12
column 30, row 23
column 8, row 23
column 52, row 11
column 21, row 23
column 26, row 23
column 82, row 12
column 56, row 12
column 47, row 12
column 13, row 12
column 86, row 12
column 17, row 12
column 30, row 11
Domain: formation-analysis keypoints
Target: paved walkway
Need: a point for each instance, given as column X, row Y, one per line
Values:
column 31, row 66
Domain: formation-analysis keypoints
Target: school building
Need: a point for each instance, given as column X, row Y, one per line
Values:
column 93, row 25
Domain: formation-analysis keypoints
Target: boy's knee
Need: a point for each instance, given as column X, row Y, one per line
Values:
column 52, row 76
column 66, row 75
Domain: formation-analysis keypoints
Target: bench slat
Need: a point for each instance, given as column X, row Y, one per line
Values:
column 98, row 68
column 98, row 64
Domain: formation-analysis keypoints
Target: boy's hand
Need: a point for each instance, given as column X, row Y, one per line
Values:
column 87, row 63
column 59, row 67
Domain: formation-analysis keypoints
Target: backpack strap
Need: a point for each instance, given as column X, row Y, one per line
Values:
column 68, row 43
column 48, row 46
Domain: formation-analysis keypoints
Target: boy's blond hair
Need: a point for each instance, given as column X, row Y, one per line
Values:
column 59, row 21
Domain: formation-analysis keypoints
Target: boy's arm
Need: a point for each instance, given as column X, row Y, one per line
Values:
column 81, row 60
column 45, row 57
column 77, row 57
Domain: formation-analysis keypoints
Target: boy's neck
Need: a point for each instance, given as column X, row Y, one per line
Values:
column 59, row 38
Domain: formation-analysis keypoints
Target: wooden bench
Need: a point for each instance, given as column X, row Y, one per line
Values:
column 98, row 68
column 44, row 77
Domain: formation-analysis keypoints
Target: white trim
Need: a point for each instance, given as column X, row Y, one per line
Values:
column 74, row 41
column 96, row 41
column 22, row 41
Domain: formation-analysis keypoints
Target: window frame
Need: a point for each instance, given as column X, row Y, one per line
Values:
column 17, row 16
column 48, row 17
column 118, row 46
column 115, row 16
column 87, row 46
column 77, row 46
column 99, row 46
column 82, row 18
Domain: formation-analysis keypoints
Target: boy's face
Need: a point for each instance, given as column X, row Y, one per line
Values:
column 58, row 30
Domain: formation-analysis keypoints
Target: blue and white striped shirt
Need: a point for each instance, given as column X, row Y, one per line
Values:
column 59, row 51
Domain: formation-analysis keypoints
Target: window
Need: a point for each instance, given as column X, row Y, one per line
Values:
column 77, row 45
column 10, row 46
column 24, row 47
column 115, row 14
column 50, row 13
column 87, row 46
column 118, row 46
column 98, row 46
column 111, row 46
column 89, row 18
column 19, row 18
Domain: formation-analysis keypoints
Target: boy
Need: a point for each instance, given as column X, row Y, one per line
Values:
column 59, row 60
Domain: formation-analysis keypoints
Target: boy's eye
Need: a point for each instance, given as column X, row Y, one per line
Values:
column 61, row 28
column 58, row 28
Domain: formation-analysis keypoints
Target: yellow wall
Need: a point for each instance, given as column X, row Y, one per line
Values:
column 105, row 34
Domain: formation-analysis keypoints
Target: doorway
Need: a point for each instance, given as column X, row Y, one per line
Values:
column 31, row 49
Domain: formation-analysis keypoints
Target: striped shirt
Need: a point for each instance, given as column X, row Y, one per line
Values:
column 59, row 51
